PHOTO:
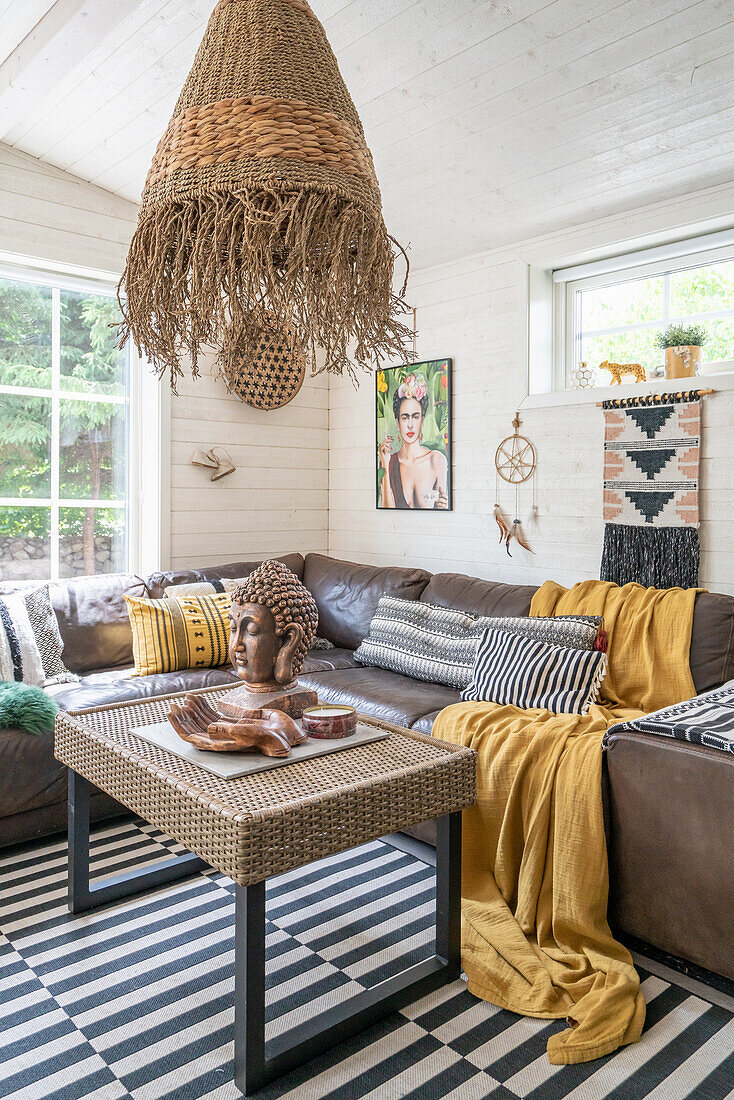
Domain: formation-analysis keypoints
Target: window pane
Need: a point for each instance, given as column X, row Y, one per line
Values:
column 630, row 303
column 90, row 362
column 720, row 344
column 25, row 335
column 702, row 290
column 635, row 346
column 25, row 446
column 93, row 452
column 25, row 543
column 92, row 540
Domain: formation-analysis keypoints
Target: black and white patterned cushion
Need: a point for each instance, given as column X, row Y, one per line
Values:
column 707, row 719
column 439, row 644
column 30, row 642
column 19, row 657
column 526, row 673
column 574, row 631
column 48, row 636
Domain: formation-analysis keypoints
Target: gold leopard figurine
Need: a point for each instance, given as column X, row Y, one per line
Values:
column 618, row 369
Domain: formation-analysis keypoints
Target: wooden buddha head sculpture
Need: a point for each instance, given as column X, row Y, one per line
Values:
column 272, row 626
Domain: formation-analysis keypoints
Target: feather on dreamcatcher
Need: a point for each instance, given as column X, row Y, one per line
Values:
column 515, row 462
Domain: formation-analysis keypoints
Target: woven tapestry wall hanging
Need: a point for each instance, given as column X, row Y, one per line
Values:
column 262, row 201
column 651, row 463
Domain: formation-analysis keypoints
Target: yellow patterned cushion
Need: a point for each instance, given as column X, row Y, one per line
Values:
column 179, row 632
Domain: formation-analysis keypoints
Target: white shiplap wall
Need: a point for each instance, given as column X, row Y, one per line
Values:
column 277, row 500
column 476, row 312
column 473, row 312
column 49, row 215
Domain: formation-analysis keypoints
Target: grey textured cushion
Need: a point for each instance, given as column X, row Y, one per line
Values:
column 204, row 588
column 439, row 644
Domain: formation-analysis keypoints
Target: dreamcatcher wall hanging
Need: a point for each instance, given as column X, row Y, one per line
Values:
column 515, row 462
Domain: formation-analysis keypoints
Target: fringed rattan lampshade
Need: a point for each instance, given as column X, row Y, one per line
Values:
column 262, row 201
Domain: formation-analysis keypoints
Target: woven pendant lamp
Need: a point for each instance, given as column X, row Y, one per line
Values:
column 262, row 202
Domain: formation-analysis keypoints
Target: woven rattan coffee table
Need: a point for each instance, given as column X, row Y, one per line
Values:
column 262, row 825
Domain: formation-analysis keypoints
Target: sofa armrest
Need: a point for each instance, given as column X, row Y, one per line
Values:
column 670, row 816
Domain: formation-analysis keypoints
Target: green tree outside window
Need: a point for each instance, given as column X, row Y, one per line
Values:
column 92, row 432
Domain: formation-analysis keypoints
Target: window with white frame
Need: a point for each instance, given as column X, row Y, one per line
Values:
column 64, row 428
column 616, row 314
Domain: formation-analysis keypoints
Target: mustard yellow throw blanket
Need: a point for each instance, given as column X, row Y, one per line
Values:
column 535, row 937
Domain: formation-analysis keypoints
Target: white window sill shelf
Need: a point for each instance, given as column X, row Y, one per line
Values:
column 721, row 380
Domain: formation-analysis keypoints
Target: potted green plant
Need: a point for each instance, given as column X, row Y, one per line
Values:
column 683, row 346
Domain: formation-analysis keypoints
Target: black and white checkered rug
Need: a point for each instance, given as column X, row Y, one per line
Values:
column 135, row 1000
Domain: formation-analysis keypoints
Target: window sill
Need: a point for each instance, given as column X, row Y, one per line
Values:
column 722, row 380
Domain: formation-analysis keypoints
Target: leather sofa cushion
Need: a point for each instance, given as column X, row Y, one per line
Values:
column 118, row 685
column 327, row 660
column 481, row 597
column 425, row 724
column 44, row 821
column 347, row 594
column 712, row 641
column 93, row 619
column 30, row 776
column 157, row 583
column 380, row 694
column 32, row 780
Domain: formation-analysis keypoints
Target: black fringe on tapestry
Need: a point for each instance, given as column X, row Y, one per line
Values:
column 656, row 557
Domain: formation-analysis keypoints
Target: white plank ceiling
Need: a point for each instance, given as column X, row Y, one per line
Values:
column 490, row 120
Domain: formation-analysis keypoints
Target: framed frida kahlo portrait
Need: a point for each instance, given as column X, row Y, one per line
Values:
column 414, row 435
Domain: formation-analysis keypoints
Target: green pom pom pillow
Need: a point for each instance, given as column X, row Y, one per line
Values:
column 26, row 708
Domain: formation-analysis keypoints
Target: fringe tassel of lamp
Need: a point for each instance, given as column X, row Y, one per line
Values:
column 262, row 201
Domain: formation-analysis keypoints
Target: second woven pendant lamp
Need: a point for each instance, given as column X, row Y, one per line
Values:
column 262, row 202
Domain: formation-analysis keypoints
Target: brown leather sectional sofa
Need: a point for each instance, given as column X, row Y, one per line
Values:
column 669, row 805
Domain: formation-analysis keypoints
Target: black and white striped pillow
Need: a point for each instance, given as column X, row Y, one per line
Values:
column 528, row 673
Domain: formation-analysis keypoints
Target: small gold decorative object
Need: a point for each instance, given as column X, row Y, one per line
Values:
column 618, row 369
column 683, row 361
column 583, row 377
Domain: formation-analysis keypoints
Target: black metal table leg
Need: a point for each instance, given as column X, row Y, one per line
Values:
column 84, row 895
column 448, row 892
column 257, row 1062
column 250, row 1065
